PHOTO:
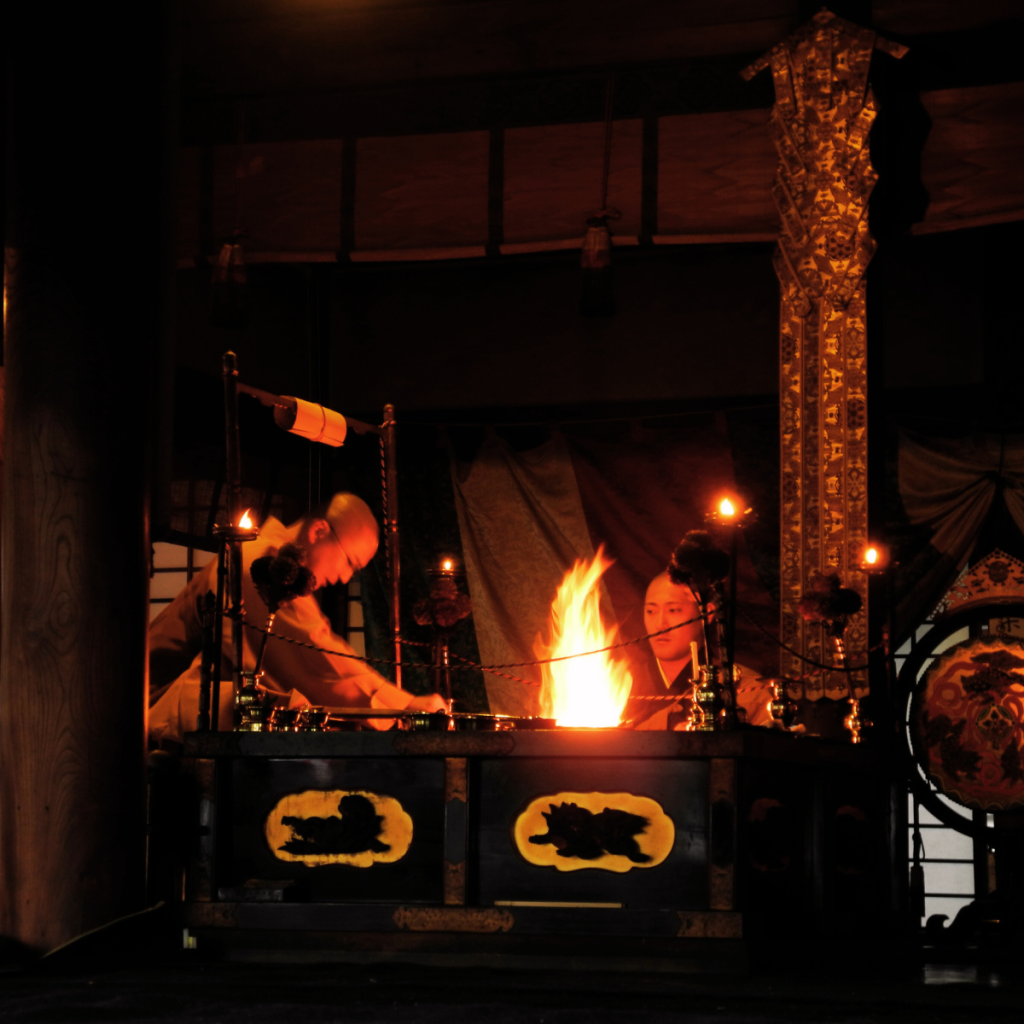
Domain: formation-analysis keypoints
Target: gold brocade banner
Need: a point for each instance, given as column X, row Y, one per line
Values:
column 824, row 109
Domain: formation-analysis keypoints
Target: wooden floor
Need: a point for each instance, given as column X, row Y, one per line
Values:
column 200, row 992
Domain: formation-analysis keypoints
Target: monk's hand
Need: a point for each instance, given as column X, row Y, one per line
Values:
column 432, row 702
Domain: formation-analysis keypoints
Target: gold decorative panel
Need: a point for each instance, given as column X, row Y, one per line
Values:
column 337, row 826
column 824, row 109
column 609, row 831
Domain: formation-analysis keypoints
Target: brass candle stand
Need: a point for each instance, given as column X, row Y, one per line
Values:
column 444, row 608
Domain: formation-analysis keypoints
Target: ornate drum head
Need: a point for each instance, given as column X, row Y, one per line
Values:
column 967, row 723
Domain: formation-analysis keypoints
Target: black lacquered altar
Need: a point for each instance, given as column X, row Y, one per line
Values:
column 748, row 837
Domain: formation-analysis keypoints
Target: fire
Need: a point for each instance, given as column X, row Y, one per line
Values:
column 586, row 692
column 245, row 523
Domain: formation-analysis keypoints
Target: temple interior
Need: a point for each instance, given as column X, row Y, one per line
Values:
column 513, row 508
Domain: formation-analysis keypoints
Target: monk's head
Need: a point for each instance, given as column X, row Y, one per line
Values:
column 668, row 604
column 340, row 540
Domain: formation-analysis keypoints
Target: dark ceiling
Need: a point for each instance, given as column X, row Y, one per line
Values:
column 330, row 68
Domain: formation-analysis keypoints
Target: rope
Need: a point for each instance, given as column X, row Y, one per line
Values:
column 667, row 696
column 809, row 661
column 609, row 125
column 492, row 669
column 496, row 670
column 587, row 654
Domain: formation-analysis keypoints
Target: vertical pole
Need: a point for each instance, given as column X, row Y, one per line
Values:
column 208, row 613
column 443, row 670
column 980, row 855
column 917, row 870
column 729, row 682
column 233, row 476
column 217, row 652
column 391, row 536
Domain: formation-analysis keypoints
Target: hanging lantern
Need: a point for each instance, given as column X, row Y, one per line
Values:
column 227, row 287
column 597, row 298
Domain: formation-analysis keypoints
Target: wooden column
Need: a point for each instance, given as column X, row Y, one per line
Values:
column 824, row 109
column 87, row 265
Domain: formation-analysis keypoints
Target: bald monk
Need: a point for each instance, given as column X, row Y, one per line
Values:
column 669, row 671
column 337, row 543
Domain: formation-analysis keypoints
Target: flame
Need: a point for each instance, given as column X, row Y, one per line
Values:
column 726, row 508
column 447, row 565
column 245, row 523
column 871, row 556
column 586, row 692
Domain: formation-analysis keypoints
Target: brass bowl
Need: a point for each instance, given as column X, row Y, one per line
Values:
column 434, row 721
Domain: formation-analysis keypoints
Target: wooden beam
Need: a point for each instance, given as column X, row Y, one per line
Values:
column 434, row 196
column 81, row 355
column 278, row 46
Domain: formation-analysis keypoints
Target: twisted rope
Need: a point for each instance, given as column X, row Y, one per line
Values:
column 467, row 663
column 497, row 670
column 809, row 661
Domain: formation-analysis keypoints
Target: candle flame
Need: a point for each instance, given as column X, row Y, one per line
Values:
column 589, row 692
column 727, row 508
column 447, row 565
column 871, row 556
column 245, row 523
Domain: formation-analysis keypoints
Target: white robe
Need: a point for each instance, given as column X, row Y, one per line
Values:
column 175, row 641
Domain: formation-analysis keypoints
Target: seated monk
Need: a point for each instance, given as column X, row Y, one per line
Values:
column 665, row 667
column 336, row 543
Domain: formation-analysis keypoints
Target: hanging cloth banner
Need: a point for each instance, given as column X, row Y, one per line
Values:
column 522, row 528
column 950, row 484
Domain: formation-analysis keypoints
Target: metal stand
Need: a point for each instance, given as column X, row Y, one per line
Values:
column 233, row 478
column 726, row 718
column 706, row 699
column 232, row 535
column 209, row 617
column 391, row 534
column 442, row 669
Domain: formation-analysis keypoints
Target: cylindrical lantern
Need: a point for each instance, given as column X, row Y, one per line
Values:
column 312, row 421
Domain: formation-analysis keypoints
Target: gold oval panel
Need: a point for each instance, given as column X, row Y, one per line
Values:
column 609, row 831
column 338, row 826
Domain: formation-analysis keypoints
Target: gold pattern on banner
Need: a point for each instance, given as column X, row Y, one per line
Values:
column 824, row 109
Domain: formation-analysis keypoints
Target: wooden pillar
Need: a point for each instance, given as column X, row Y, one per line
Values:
column 87, row 265
column 824, row 109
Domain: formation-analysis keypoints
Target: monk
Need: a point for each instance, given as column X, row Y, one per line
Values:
column 669, row 670
column 337, row 542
